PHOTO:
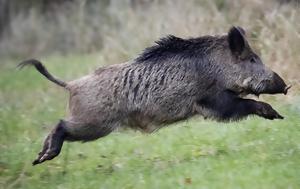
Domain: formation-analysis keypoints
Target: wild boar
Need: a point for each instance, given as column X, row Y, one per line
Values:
column 170, row 81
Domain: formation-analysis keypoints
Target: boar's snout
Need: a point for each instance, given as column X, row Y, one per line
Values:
column 275, row 85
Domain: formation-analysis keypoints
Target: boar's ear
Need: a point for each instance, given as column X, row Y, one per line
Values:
column 236, row 39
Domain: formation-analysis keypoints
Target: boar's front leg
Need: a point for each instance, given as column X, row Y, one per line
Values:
column 239, row 108
column 265, row 110
column 228, row 106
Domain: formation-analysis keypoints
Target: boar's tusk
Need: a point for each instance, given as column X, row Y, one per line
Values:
column 286, row 89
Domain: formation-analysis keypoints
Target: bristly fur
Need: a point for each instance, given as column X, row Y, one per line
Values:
column 172, row 46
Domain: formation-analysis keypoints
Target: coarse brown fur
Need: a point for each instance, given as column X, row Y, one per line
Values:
column 170, row 81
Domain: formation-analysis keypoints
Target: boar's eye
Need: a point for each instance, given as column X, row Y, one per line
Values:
column 253, row 60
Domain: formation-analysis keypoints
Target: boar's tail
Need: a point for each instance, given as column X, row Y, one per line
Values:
column 40, row 67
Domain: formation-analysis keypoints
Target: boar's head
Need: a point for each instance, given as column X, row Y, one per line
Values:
column 245, row 72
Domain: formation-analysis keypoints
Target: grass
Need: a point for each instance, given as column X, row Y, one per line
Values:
column 254, row 153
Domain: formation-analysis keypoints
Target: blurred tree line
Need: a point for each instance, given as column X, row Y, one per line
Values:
column 40, row 27
column 11, row 8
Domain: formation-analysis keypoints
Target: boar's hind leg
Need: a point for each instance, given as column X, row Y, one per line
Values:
column 71, row 131
column 52, row 144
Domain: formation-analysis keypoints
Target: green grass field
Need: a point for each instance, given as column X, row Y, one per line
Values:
column 253, row 153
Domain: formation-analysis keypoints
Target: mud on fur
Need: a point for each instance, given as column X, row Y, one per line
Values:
column 171, row 81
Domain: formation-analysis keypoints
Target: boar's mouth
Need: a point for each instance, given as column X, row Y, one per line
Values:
column 275, row 85
column 258, row 91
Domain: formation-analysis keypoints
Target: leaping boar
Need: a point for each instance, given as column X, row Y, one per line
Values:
column 170, row 81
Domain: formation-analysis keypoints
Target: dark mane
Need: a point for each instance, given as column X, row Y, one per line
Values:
column 171, row 46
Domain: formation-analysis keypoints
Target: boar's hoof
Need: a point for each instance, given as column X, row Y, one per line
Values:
column 48, row 155
column 52, row 144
